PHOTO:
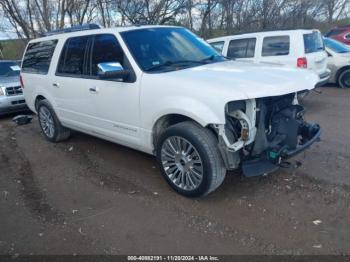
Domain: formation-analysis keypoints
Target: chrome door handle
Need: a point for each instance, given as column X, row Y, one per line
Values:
column 56, row 85
column 93, row 90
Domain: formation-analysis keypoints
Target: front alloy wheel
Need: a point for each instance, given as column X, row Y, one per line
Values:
column 182, row 163
column 190, row 159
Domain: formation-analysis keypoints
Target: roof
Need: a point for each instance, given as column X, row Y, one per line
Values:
column 263, row 33
column 97, row 31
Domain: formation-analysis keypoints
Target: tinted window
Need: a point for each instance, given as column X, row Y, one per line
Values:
column 38, row 57
column 275, row 46
column 168, row 49
column 241, row 48
column 218, row 46
column 9, row 69
column 336, row 46
column 313, row 42
column 72, row 60
column 106, row 49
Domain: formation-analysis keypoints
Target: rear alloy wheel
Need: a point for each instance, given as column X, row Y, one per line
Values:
column 49, row 123
column 46, row 122
column 190, row 159
column 344, row 79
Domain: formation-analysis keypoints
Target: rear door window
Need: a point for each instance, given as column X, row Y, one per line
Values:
column 38, row 56
column 73, row 57
column 218, row 46
column 241, row 48
column 313, row 42
column 276, row 46
column 106, row 48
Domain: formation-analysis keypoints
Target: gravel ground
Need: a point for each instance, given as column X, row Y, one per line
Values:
column 89, row 196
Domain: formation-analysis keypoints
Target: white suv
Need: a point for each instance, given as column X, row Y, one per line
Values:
column 164, row 91
column 292, row 48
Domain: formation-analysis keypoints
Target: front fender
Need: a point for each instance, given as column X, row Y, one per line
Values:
column 186, row 106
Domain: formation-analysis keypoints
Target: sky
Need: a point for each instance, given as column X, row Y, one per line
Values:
column 5, row 31
column 5, row 35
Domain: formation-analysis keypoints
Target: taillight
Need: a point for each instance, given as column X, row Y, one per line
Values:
column 302, row 62
column 21, row 81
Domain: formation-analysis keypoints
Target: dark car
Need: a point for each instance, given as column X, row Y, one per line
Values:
column 341, row 33
column 11, row 95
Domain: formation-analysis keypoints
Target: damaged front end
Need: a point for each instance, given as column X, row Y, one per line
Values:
column 261, row 134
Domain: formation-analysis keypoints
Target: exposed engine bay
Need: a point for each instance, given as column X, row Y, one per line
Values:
column 260, row 134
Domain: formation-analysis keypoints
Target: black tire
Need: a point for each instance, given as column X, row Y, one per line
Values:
column 344, row 79
column 60, row 132
column 206, row 144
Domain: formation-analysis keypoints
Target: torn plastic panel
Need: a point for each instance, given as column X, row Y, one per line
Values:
column 263, row 133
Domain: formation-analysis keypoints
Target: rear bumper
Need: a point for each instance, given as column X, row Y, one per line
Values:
column 324, row 77
column 11, row 104
column 273, row 159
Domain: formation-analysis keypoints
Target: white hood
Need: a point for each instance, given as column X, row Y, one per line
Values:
column 202, row 92
column 241, row 80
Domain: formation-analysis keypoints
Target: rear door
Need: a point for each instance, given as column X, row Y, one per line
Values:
column 70, row 84
column 315, row 52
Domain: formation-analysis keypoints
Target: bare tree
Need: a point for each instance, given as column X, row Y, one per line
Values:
column 334, row 9
column 30, row 18
column 150, row 11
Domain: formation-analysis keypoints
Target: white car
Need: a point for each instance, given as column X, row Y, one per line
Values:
column 292, row 48
column 338, row 62
column 165, row 91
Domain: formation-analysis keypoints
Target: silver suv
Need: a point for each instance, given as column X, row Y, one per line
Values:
column 11, row 95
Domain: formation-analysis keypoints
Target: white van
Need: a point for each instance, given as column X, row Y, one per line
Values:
column 293, row 48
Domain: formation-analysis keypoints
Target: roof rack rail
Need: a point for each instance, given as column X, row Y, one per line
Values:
column 73, row 29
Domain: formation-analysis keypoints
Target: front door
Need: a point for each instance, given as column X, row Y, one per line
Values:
column 115, row 103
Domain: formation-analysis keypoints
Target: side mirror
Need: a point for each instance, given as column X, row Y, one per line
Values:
column 112, row 70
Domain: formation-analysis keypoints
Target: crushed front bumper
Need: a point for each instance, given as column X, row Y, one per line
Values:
column 274, row 158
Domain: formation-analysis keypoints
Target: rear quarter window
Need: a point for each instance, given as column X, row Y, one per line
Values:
column 276, row 46
column 38, row 56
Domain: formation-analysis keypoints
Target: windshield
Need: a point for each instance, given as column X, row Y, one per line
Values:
column 336, row 46
column 168, row 49
column 313, row 42
column 9, row 69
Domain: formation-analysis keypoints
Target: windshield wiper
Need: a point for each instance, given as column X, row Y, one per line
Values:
column 212, row 57
column 174, row 63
